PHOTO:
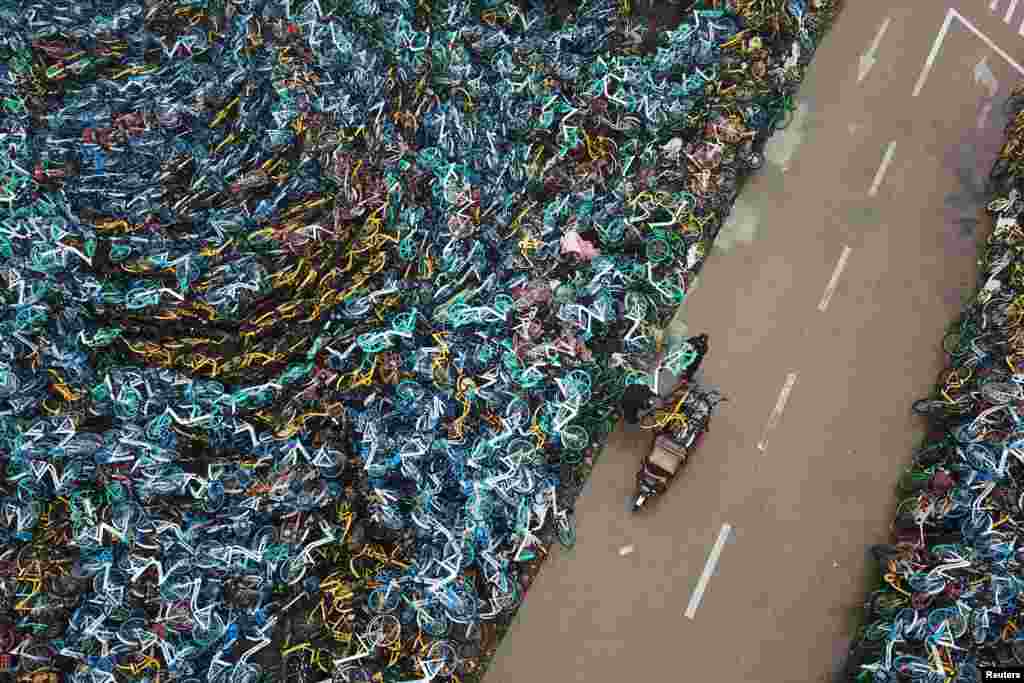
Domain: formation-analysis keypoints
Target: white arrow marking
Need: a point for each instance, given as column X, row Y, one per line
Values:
column 937, row 45
column 983, row 74
column 780, row 405
column 886, row 160
column 867, row 60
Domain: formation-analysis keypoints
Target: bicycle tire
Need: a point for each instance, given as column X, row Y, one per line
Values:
column 926, row 406
column 947, row 376
column 246, row 673
column 952, row 343
column 567, row 535
column 912, row 482
column 575, row 438
column 886, row 604
column 1001, row 393
column 571, row 457
column 906, row 520
column 875, row 632
column 434, row 625
column 33, row 659
column 306, row 630
column 930, row 407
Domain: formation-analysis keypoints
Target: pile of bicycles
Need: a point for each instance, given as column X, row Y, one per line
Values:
column 951, row 587
column 314, row 314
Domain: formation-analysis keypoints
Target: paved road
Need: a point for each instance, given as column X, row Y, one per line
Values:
column 782, row 604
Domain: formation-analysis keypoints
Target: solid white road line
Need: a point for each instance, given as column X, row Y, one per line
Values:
column 992, row 5
column 880, row 174
column 937, row 45
column 834, row 282
column 709, row 569
column 983, row 116
column 780, row 405
column 1009, row 11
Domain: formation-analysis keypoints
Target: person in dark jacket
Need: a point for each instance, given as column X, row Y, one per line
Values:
column 637, row 398
column 700, row 344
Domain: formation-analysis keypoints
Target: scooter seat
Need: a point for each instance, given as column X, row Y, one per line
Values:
column 667, row 454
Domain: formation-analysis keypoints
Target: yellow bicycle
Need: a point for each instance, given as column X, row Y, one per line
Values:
column 674, row 418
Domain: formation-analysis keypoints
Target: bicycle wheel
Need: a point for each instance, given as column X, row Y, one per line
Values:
column 884, row 604
column 521, row 449
column 448, row 657
column 1001, row 393
column 566, row 533
column 951, row 343
column 876, row 631
column 384, row 599
column 754, row 161
column 574, row 438
column 950, row 380
column 434, row 623
column 930, row 407
column 295, row 669
column 913, row 482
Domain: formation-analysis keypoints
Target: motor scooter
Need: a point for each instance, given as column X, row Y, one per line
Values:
column 678, row 432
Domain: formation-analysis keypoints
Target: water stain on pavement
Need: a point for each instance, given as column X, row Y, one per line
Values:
column 965, row 204
column 677, row 329
column 740, row 227
column 971, row 162
column 781, row 147
column 743, row 222
column 863, row 215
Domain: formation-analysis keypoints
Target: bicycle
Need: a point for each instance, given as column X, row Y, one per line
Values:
column 675, row 418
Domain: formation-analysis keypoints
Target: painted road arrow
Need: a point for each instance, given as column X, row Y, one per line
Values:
column 867, row 60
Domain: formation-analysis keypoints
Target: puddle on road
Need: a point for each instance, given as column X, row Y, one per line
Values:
column 971, row 162
column 966, row 205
